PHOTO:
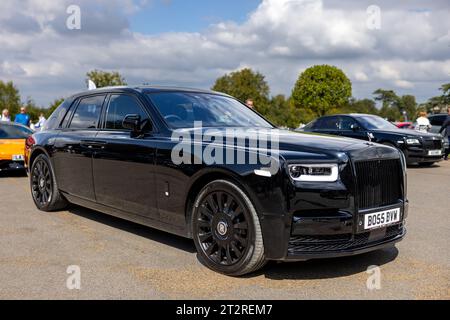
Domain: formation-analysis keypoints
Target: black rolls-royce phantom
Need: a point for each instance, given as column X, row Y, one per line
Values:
column 155, row 155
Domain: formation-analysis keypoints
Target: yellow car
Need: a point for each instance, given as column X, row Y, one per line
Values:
column 12, row 145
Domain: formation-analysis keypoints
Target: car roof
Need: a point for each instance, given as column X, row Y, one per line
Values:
column 437, row 115
column 350, row 115
column 145, row 89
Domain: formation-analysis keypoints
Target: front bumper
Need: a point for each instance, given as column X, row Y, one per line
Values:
column 419, row 153
column 422, row 156
column 8, row 165
column 361, row 243
column 326, row 220
column 327, row 234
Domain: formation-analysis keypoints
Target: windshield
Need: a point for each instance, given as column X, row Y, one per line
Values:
column 375, row 122
column 14, row 132
column 181, row 109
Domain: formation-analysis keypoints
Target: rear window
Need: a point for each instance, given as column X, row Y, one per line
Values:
column 87, row 114
column 437, row 120
column 310, row 125
column 14, row 132
column 57, row 116
column 327, row 123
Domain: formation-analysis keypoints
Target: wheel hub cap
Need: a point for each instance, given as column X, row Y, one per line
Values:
column 222, row 228
column 41, row 182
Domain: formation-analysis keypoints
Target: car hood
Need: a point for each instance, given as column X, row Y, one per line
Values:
column 406, row 132
column 291, row 143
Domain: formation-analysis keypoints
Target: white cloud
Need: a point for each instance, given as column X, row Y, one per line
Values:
column 280, row 39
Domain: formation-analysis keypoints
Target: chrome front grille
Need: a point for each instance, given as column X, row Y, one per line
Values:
column 378, row 183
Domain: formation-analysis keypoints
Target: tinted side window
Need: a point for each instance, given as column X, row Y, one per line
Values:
column 55, row 119
column 437, row 120
column 346, row 123
column 119, row 107
column 329, row 123
column 87, row 114
column 310, row 125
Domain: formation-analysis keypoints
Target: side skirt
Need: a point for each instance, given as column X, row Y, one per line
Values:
column 152, row 223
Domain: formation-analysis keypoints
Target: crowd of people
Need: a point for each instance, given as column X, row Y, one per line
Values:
column 24, row 118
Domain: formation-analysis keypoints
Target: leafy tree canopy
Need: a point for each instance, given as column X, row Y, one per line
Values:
column 105, row 78
column 393, row 106
column 9, row 98
column 321, row 90
column 245, row 84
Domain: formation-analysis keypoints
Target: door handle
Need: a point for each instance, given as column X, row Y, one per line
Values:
column 91, row 144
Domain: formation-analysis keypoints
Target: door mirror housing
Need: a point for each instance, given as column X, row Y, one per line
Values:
column 133, row 123
column 355, row 127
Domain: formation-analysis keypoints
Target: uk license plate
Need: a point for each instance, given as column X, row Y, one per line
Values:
column 381, row 219
column 18, row 157
column 435, row 152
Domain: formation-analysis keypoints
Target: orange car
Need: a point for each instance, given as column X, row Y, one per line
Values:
column 12, row 145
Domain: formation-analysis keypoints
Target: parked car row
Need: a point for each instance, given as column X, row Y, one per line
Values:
column 418, row 147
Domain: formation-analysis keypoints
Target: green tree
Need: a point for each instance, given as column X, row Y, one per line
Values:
column 245, row 84
column 33, row 110
column 105, row 78
column 366, row 106
column 445, row 88
column 435, row 104
column 283, row 113
column 408, row 103
column 9, row 98
column 389, row 100
column 321, row 90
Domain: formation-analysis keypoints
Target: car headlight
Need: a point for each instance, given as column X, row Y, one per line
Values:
column 314, row 172
column 412, row 141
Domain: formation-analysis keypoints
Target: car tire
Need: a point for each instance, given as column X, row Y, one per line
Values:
column 44, row 190
column 226, row 230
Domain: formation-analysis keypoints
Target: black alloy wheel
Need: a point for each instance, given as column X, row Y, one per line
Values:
column 41, row 183
column 223, row 228
column 226, row 230
column 44, row 189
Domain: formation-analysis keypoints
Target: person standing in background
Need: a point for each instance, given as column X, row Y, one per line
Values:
column 423, row 124
column 5, row 116
column 250, row 103
column 445, row 130
column 38, row 126
column 23, row 117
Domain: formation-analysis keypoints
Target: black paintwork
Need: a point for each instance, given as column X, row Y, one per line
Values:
column 393, row 137
column 135, row 178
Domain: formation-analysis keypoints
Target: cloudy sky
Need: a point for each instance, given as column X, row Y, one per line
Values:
column 191, row 43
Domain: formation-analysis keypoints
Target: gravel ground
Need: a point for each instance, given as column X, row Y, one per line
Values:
column 123, row 260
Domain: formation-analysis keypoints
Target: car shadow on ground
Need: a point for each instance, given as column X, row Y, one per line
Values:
column 303, row 270
column 13, row 174
column 418, row 166
column 137, row 229
column 328, row 268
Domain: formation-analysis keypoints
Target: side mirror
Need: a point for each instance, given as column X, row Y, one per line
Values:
column 355, row 127
column 133, row 123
